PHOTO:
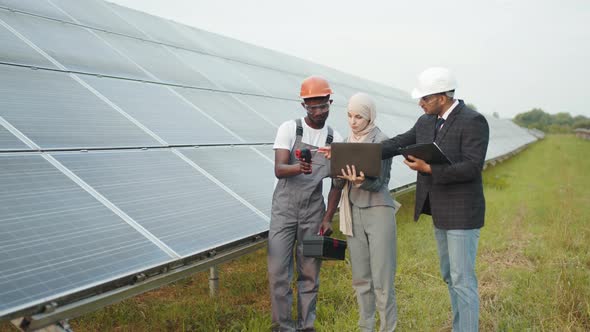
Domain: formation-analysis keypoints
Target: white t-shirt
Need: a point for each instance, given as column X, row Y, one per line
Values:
column 286, row 135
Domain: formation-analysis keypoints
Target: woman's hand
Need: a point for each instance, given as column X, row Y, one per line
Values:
column 326, row 150
column 351, row 175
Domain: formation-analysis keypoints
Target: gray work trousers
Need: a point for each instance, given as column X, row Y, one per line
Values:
column 281, row 242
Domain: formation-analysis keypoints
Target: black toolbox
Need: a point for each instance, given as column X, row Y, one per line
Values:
column 324, row 247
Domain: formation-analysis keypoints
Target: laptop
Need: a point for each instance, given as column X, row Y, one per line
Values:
column 365, row 157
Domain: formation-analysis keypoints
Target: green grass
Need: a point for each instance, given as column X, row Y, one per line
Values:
column 533, row 264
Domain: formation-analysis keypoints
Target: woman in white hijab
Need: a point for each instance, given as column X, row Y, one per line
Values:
column 367, row 218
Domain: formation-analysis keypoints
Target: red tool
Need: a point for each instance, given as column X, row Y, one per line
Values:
column 304, row 155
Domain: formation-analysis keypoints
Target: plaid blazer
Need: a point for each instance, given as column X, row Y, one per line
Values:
column 452, row 194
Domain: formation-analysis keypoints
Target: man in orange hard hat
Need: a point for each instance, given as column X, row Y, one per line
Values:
column 298, row 208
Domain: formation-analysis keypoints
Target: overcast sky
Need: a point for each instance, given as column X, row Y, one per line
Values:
column 509, row 56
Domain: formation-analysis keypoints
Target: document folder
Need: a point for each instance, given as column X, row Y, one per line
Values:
column 429, row 152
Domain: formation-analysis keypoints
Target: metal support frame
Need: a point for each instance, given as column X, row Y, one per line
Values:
column 83, row 306
column 403, row 189
column 61, row 326
column 213, row 281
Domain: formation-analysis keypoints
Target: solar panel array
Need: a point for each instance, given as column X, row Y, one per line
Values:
column 128, row 141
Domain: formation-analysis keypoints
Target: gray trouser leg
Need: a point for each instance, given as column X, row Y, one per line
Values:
column 373, row 259
column 361, row 277
column 308, row 283
column 281, row 239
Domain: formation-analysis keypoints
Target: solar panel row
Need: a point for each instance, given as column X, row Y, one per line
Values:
column 56, row 236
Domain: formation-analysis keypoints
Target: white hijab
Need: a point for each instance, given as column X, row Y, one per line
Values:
column 362, row 104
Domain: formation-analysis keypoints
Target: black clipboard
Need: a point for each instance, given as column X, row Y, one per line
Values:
column 365, row 157
column 429, row 152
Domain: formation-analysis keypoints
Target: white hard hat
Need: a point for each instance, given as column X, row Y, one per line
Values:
column 434, row 80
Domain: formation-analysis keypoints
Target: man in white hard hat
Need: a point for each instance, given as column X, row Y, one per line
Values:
column 452, row 194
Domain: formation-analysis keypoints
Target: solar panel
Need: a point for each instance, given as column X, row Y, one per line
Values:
column 155, row 28
column 275, row 83
column 172, row 200
column 10, row 142
column 99, row 15
column 55, row 237
column 162, row 111
column 239, row 118
column 388, row 92
column 224, row 73
column 208, row 42
column 391, row 106
column 338, row 119
column 393, row 125
column 55, row 111
column 400, row 174
column 270, row 153
column 16, row 51
column 198, row 39
column 89, row 55
column 36, row 7
column 157, row 60
column 273, row 59
column 236, row 50
column 342, row 93
column 248, row 171
column 275, row 110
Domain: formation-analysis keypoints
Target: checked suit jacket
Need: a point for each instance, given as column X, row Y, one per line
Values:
column 452, row 194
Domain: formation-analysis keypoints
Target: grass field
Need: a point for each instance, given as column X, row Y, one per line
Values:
column 533, row 264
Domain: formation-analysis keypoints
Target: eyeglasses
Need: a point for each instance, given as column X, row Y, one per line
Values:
column 320, row 107
column 428, row 99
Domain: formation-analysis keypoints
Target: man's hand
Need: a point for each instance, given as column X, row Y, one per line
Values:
column 304, row 167
column 418, row 165
column 326, row 150
column 325, row 228
column 351, row 175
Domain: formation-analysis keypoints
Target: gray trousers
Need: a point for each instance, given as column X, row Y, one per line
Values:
column 373, row 258
column 285, row 235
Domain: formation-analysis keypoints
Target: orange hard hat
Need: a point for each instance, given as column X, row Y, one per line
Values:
column 315, row 86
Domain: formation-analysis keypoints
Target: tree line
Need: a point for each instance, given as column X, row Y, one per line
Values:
column 551, row 123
